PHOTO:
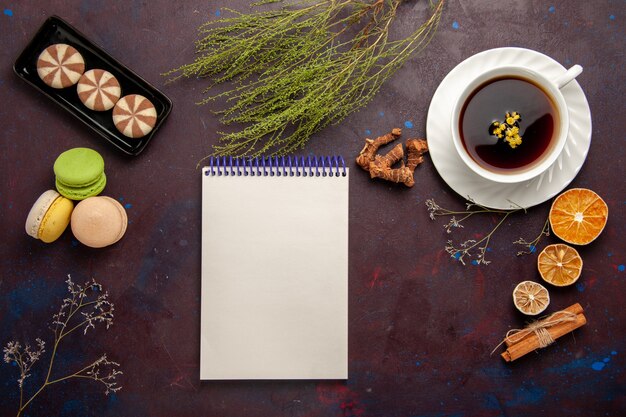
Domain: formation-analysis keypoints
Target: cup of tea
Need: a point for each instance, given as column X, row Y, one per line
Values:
column 511, row 123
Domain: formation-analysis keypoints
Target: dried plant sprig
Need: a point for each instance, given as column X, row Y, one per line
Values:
column 298, row 69
column 471, row 208
column 24, row 359
column 532, row 245
column 94, row 371
column 466, row 248
column 85, row 307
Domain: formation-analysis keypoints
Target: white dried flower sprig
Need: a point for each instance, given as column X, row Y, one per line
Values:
column 481, row 246
column 93, row 371
column 85, row 307
column 25, row 358
column 531, row 246
column 98, row 310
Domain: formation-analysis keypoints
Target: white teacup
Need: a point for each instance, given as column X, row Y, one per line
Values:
column 552, row 88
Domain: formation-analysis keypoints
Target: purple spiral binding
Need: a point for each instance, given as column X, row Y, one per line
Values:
column 343, row 164
column 277, row 166
column 210, row 170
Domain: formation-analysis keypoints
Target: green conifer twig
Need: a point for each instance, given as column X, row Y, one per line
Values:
column 297, row 69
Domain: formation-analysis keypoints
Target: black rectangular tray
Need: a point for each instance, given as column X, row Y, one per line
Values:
column 56, row 30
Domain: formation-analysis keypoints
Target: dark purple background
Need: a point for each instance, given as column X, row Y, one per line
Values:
column 421, row 324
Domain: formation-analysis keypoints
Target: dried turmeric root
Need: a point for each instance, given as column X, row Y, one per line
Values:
column 415, row 149
column 371, row 146
column 380, row 166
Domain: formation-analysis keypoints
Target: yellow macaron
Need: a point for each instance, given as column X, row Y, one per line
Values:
column 49, row 216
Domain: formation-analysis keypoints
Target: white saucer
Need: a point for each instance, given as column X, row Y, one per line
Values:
column 492, row 194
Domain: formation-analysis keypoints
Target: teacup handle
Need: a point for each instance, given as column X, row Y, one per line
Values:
column 568, row 76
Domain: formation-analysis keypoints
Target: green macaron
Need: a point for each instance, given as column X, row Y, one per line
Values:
column 79, row 173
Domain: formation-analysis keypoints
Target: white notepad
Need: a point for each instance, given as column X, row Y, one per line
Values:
column 274, row 270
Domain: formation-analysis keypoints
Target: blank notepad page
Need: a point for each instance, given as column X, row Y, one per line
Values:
column 274, row 275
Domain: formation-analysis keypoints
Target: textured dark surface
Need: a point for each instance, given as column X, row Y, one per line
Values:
column 421, row 324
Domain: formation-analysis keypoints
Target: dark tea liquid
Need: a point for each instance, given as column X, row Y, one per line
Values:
column 489, row 103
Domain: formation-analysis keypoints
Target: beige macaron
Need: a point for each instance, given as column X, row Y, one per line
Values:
column 99, row 221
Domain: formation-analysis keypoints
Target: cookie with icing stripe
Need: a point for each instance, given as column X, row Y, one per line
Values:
column 60, row 65
column 134, row 116
column 98, row 90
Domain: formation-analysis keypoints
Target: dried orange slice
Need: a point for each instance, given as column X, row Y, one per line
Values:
column 559, row 264
column 578, row 216
column 530, row 297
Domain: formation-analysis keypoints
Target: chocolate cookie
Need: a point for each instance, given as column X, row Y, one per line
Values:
column 134, row 116
column 98, row 90
column 60, row 65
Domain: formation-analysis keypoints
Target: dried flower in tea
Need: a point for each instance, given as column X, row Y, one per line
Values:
column 508, row 130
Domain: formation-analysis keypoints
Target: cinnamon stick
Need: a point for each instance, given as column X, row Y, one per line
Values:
column 575, row 309
column 531, row 341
